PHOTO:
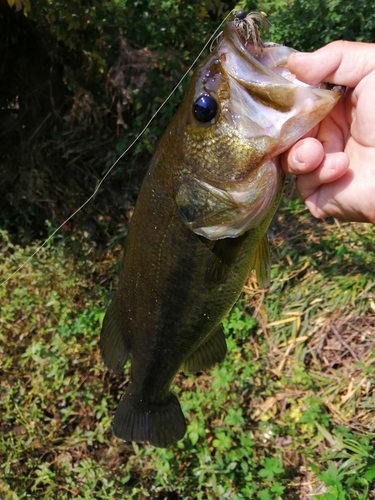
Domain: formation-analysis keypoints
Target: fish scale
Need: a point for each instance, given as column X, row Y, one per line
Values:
column 199, row 225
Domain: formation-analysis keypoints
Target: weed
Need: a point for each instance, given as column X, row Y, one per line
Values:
column 289, row 412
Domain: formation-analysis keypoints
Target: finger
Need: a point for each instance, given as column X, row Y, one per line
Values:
column 363, row 100
column 334, row 166
column 340, row 63
column 304, row 156
column 334, row 129
column 324, row 201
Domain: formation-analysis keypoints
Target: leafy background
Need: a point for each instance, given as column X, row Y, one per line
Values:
column 290, row 413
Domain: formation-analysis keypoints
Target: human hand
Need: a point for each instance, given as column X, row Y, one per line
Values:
column 335, row 166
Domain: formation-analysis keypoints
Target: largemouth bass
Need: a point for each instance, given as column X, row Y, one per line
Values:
column 200, row 223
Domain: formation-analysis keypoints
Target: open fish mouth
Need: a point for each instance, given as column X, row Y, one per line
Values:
column 265, row 94
column 261, row 55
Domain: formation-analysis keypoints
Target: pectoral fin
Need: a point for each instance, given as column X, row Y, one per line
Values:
column 208, row 354
column 262, row 262
column 224, row 253
column 112, row 339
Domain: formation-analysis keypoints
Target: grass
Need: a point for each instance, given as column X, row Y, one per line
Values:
column 288, row 415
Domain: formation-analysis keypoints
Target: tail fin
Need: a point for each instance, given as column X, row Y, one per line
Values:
column 161, row 427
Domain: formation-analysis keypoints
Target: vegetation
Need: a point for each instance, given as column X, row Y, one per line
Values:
column 80, row 80
column 290, row 413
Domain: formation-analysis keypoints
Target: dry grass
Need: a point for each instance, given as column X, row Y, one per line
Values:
column 297, row 386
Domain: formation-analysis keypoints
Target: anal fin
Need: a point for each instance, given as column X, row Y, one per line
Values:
column 161, row 425
column 208, row 354
column 112, row 339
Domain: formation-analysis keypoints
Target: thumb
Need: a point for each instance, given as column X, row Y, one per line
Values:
column 340, row 63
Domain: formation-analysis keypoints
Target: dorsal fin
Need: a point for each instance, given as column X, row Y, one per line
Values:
column 262, row 262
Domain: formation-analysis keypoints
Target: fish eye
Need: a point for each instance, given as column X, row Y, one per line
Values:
column 205, row 108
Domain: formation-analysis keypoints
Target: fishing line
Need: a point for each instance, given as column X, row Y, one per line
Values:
column 116, row 162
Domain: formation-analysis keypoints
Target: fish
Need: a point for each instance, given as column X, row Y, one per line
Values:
column 200, row 223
